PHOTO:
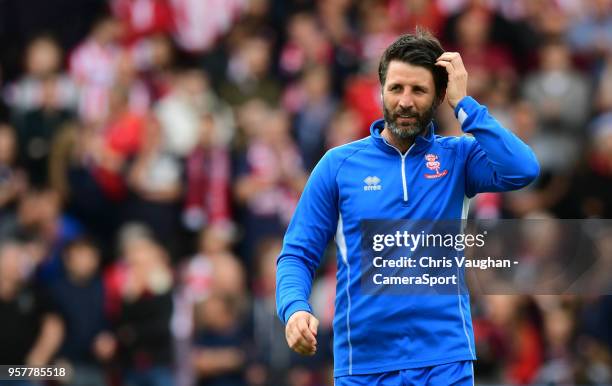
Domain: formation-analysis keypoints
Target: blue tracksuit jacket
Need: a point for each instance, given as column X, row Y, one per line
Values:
column 369, row 179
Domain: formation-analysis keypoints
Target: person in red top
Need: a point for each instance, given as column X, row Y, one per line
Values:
column 142, row 18
column 119, row 141
column 362, row 95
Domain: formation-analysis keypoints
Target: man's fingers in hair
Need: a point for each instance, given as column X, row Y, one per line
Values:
column 447, row 65
column 450, row 57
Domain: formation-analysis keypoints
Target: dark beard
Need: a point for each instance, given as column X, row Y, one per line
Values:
column 412, row 130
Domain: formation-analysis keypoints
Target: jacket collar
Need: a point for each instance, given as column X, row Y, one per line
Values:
column 421, row 142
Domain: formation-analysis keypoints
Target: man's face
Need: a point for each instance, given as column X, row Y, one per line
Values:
column 408, row 99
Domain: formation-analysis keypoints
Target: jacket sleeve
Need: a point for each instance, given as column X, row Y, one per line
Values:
column 496, row 159
column 311, row 228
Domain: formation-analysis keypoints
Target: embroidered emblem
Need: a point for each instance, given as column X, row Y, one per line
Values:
column 433, row 164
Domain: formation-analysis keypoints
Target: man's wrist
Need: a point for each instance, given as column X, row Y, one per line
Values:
column 466, row 107
column 455, row 103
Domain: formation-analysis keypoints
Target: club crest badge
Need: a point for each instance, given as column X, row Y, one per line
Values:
column 432, row 163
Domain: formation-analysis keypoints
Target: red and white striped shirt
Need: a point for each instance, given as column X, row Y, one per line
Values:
column 93, row 67
column 199, row 23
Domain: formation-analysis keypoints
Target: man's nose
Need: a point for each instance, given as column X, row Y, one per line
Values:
column 406, row 101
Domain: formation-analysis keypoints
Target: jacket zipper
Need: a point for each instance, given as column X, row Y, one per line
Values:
column 403, row 156
column 404, row 176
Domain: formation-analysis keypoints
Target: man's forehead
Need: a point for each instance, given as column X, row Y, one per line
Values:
column 399, row 71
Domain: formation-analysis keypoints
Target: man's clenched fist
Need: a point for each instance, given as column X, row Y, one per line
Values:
column 301, row 333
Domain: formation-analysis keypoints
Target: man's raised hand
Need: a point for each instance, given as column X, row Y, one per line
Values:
column 456, row 89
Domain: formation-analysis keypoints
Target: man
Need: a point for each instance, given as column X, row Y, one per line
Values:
column 31, row 331
column 407, row 340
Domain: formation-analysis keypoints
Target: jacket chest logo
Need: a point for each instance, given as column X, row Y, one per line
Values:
column 372, row 183
column 432, row 163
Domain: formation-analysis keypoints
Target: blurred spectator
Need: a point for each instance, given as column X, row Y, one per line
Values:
column 79, row 296
column 270, row 179
column 250, row 118
column 485, row 60
column 139, row 290
column 558, row 157
column 335, row 19
column 93, row 66
column 248, row 73
column 560, row 365
column 68, row 151
column 40, row 219
column 117, row 144
column 545, row 20
column 154, row 179
column 4, row 109
column 12, row 178
column 29, row 325
column 595, row 344
column 343, row 128
column 208, row 173
column 555, row 152
column 307, row 46
column 603, row 94
column 362, row 95
column 592, row 35
column 313, row 114
column 71, row 175
column 592, row 184
column 406, row 15
column 197, row 29
column 514, row 323
column 179, row 112
column 68, row 21
column 154, row 58
column 542, row 270
column 142, row 18
column 500, row 32
column 377, row 33
column 219, row 354
column 214, row 269
column 559, row 94
column 127, row 76
column 36, row 130
column 600, row 268
column 43, row 81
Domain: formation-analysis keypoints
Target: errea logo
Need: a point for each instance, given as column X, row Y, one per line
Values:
column 372, row 183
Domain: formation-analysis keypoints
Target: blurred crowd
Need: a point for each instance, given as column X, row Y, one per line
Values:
column 152, row 153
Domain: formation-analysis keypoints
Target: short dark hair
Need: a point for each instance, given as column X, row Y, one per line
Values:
column 83, row 241
column 418, row 49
